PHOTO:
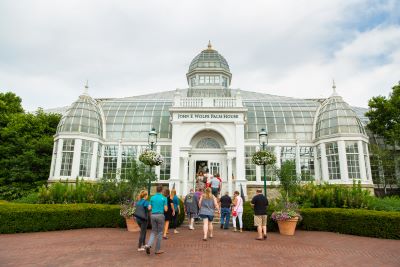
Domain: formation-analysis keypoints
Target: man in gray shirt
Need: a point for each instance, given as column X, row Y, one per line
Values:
column 215, row 185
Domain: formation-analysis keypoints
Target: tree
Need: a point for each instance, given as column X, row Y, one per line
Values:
column 384, row 120
column 288, row 178
column 25, row 148
column 382, row 167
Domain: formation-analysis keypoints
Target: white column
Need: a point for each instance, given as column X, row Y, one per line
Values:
column 119, row 160
column 101, row 166
column 363, row 171
column 324, row 164
column 76, row 159
column 277, row 152
column 184, row 190
column 344, row 175
column 192, row 176
column 240, row 163
column 53, row 159
column 58, row 159
column 366, row 151
column 298, row 167
column 317, row 170
column 175, row 150
column 94, row 161
column 158, row 168
column 230, row 184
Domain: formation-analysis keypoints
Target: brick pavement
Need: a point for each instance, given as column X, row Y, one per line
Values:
column 117, row 247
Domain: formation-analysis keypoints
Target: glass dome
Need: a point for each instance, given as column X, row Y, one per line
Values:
column 337, row 117
column 209, row 58
column 83, row 116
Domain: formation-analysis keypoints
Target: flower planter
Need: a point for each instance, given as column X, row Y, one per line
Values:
column 132, row 225
column 288, row 227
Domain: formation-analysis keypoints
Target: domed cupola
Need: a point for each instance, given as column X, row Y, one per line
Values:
column 336, row 117
column 209, row 69
column 83, row 116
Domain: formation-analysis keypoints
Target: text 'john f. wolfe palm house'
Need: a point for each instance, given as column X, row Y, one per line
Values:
column 211, row 126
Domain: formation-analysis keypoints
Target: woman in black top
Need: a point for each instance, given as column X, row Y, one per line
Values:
column 169, row 213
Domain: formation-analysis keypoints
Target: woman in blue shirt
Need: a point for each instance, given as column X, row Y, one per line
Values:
column 142, row 222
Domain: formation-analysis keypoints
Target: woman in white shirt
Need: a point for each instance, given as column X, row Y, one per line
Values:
column 237, row 211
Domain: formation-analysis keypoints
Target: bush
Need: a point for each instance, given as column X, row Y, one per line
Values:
column 17, row 218
column 181, row 216
column 386, row 203
column 32, row 198
column 382, row 224
column 332, row 196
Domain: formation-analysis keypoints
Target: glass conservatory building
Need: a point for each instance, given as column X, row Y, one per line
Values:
column 212, row 126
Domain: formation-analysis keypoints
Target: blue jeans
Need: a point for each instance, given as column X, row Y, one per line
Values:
column 225, row 216
column 157, row 228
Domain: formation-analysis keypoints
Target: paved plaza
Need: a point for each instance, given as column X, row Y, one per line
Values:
column 117, row 247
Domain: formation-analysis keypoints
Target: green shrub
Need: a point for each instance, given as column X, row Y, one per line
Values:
column 32, row 198
column 331, row 196
column 17, row 218
column 382, row 224
column 181, row 216
column 387, row 203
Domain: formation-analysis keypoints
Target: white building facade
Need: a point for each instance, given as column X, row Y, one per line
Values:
column 211, row 126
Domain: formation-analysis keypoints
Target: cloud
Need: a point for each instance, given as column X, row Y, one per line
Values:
column 292, row 48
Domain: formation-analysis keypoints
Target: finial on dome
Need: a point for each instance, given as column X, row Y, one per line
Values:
column 209, row 46
column 85, row 92
column 334, row 93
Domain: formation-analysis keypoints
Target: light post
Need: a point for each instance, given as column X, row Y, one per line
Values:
column 152, row 140
column 263, row 140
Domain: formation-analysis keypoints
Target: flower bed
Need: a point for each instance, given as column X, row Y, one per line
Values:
column 18, row 218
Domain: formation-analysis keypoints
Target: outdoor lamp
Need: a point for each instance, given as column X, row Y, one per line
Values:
column 152, row 139
column 263, row 137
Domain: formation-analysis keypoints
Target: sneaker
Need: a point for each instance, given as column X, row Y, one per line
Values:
column 140, row 249
column 176, row 232
column 241, row 230
column 265, row 236
column 234, row 229
column 159, row 252
column 147, row 248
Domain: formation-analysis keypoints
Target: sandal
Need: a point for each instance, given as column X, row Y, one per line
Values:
column 259, row 239
column 204, row 239
column 165, row 237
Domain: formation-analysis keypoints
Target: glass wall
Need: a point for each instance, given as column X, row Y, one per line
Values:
column 165, row 168
column 353, row 164
column 288, row 153
column 67, row 157
column 54, row 159
column 307, row 163
column 332, row 156
column 250, row 167
column 86, row 158
column 128, row 155
column 110, row 161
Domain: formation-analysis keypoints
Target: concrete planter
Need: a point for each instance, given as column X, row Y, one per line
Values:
column 132, row 225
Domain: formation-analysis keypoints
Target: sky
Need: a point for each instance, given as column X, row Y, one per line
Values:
column 48, row 49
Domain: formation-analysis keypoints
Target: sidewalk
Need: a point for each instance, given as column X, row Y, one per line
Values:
column 117, row 247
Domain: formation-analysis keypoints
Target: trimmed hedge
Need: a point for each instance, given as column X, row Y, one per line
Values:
column 382, row 224
column 18, row 218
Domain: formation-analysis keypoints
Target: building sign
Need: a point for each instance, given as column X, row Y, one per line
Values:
column 207, row 116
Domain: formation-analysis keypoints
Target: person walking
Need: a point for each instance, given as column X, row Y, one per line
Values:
column 158, row 205
column 200, row 181
column 177, row 209
column 260, row 204
column 169, row 213
column 141, row 216
column 226, row 203
column 215, row 185
column 208, row 204
column 191, row 205
column 237, row 211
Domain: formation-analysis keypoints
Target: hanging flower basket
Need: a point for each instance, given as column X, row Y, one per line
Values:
column 263, row 158
column 151, row 158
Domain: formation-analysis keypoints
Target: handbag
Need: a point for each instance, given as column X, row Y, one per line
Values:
column 234, row 213
column 140, row 212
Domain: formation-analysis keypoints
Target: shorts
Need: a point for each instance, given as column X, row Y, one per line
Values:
column 260, row 220
column 209, row 217
column 215, row 191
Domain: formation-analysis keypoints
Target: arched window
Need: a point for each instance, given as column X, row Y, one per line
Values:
column 208, row 143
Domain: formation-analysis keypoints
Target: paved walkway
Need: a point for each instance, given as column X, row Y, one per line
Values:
column 117, row 247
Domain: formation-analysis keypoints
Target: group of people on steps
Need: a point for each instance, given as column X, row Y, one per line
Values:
column 164, row 208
